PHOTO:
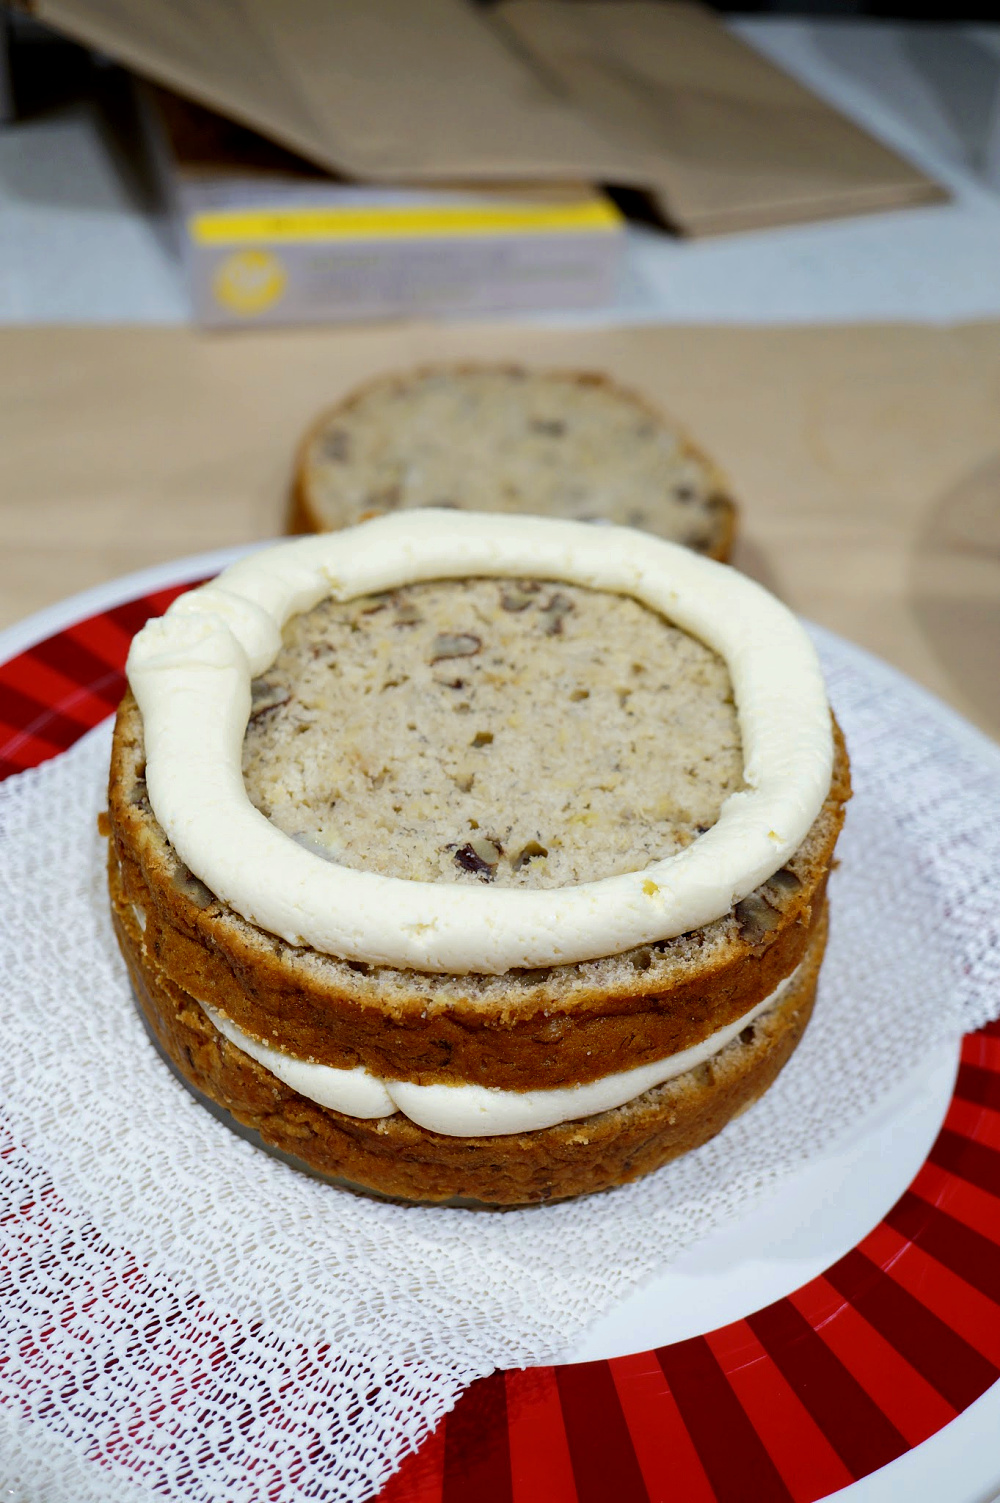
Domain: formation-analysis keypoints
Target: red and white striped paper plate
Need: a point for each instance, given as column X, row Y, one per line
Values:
column 791, row 1403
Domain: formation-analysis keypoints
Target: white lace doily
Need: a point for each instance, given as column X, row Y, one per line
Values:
column 186, row 1318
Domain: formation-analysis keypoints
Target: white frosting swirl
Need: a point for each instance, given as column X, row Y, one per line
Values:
column 190, row 671
column 474, row 1111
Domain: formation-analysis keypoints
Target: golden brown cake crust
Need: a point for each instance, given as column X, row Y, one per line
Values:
column 308, row 514
column 564, row 1025
column 393, row 1156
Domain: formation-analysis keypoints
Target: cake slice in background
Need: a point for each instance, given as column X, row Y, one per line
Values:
column 505, row 438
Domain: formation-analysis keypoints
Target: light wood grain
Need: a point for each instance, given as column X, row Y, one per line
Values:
column 867, row 458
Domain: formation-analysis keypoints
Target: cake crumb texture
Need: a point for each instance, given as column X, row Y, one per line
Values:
column 522, row 732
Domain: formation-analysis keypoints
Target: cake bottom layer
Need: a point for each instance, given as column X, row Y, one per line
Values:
column 393, row 1157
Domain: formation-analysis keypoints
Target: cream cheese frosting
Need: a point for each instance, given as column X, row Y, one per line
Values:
column 191, row 670
column 473, row 1111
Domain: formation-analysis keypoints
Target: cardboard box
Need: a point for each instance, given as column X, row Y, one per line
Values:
column 268, row 239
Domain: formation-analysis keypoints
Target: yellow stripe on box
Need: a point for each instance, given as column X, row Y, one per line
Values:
column 399, row 222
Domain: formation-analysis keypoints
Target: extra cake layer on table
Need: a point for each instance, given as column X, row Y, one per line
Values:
column 503, row 438
column 525, row 733
column 393, row 1156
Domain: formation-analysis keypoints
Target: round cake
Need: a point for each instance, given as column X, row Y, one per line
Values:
column 504, row 438
column 464, row 881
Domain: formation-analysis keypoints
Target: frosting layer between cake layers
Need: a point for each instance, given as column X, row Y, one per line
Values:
column 474, row 1111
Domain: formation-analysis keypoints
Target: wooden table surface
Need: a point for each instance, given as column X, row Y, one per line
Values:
column 866, row 458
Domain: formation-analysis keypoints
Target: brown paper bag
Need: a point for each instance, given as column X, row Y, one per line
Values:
column 641, row 94
column 385, row 90
column 722, row 138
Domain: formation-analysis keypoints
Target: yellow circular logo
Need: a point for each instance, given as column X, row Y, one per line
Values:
column 249, row 281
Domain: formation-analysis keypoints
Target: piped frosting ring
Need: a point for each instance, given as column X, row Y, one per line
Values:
column 191, row 670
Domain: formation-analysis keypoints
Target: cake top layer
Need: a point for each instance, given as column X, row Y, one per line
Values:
column 501, row 438
column 526, row 733
column 191, row 670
